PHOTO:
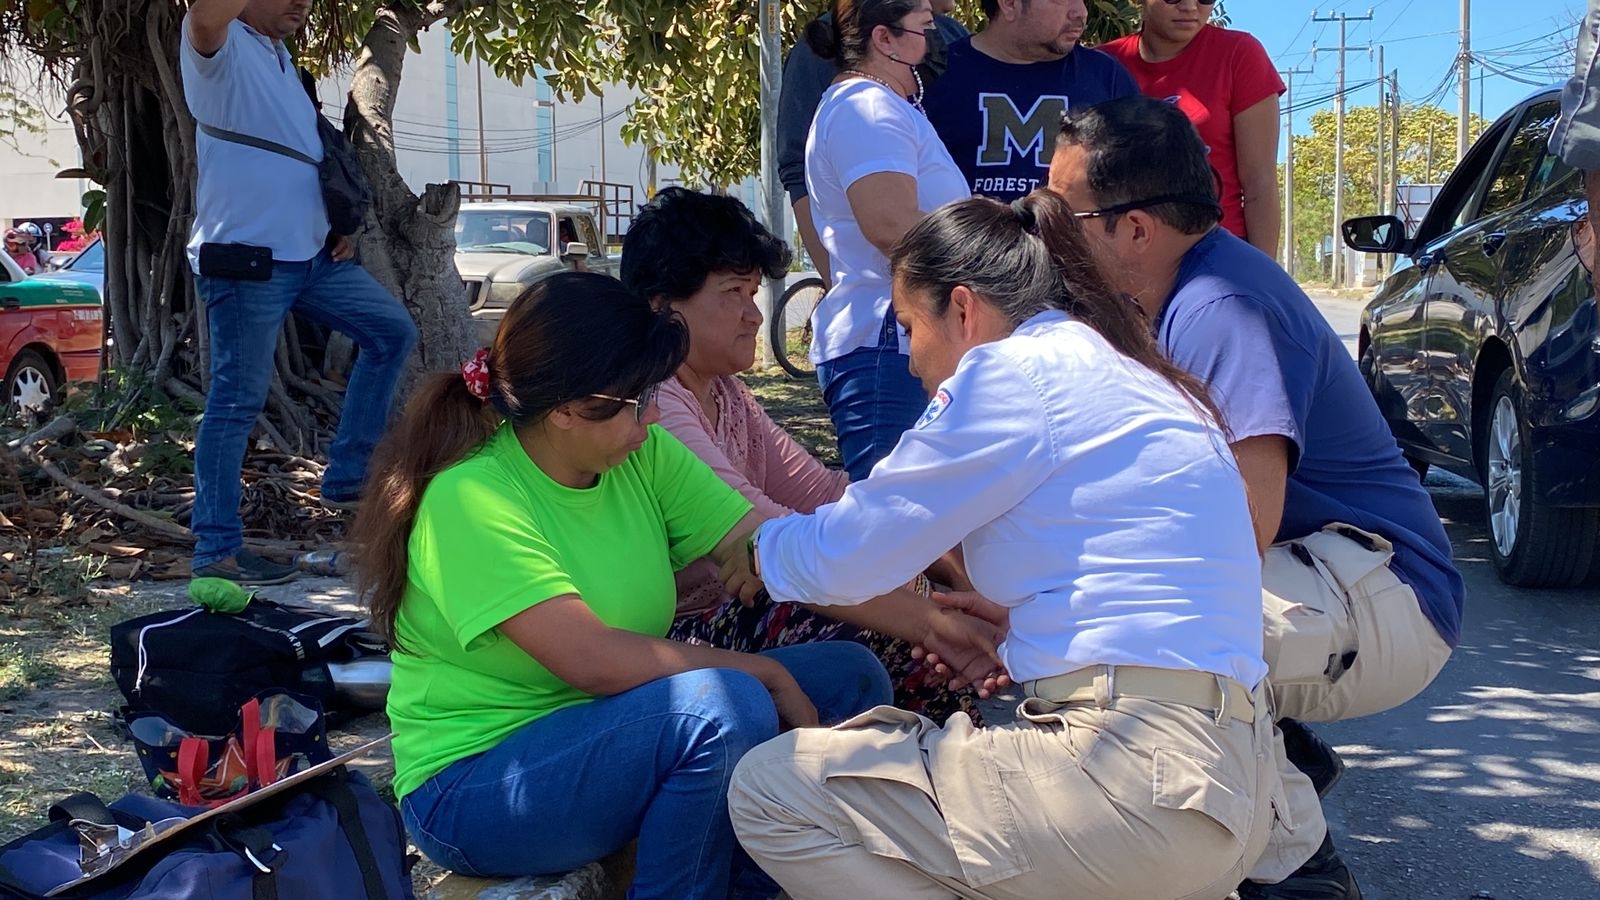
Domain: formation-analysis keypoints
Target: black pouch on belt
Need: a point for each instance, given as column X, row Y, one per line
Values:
column 243, row 262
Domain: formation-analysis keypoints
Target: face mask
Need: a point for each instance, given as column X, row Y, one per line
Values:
column 935, row 61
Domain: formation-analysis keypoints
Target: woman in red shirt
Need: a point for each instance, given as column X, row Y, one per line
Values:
column 1228, row 87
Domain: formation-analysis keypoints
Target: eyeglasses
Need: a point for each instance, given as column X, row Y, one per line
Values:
column 1132, row 205
column 1202, row 2
column 641, row 404
column 921, row 32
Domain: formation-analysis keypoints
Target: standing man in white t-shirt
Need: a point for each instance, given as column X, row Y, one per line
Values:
column 261, row 247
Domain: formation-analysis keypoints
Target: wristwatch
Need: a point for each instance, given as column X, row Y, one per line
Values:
column 750, row 548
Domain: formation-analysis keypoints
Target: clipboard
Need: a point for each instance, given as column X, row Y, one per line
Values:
column 166, row 837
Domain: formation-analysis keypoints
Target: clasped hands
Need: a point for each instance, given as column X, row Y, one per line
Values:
column 957, row 636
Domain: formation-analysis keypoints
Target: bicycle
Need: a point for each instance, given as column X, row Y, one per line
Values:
column 789, row 329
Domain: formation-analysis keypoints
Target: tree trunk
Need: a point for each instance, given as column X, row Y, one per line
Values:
column 138, row 140
column 412, row 250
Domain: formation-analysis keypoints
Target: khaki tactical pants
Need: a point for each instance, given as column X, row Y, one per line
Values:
column 1117, row 796
column 1345, row 637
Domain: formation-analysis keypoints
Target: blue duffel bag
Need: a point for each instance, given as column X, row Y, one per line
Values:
column 326, row 836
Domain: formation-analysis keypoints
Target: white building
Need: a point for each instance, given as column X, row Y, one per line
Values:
column 453, row 120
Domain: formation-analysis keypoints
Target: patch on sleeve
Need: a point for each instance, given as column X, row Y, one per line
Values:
column 936, row 407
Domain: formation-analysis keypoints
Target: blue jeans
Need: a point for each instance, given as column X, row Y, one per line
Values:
column 244, row 318
column 872, row 398
column 652, row 763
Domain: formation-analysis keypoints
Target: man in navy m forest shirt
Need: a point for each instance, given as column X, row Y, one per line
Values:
column 1361, row 601
column 999, row 101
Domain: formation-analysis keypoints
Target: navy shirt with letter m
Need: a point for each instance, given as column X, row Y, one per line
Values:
column 999, row 120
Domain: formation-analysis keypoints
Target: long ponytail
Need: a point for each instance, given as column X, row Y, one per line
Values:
column 1026, row 257
column 564, row 340
column 1089, row 297
column 443, row 424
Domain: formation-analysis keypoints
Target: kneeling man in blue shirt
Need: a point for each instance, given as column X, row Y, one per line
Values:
column 1362, row 602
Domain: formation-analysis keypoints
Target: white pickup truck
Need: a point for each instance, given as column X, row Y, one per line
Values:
column 503, row 246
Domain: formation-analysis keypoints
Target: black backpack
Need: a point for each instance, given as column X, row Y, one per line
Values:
column 198, row 667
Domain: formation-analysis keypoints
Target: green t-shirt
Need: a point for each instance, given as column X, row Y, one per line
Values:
column 494, row 536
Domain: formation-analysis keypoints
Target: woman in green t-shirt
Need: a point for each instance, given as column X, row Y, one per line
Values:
column 519, row 535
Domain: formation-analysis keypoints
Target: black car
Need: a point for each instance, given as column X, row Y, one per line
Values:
column 1482, row 346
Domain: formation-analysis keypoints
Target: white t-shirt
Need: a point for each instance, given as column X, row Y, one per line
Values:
column 862, row 128
column 1088, row 496
column 246, row 195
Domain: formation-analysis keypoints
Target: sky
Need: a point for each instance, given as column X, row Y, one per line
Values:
column 1529, row 39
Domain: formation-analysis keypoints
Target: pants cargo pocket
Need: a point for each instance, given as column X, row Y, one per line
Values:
column 874, row 768
column 1349, row 554
column 1306, row 621
column 1184, row 782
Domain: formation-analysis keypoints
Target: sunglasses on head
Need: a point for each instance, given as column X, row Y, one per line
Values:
column 641, row 404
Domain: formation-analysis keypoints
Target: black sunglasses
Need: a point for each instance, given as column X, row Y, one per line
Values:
column 641, row 405
column 1131, row 205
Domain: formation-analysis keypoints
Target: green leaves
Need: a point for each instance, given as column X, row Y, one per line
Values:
column 695, row 63
column 94, row 210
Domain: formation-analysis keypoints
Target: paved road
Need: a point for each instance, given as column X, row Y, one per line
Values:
column 1487, row 785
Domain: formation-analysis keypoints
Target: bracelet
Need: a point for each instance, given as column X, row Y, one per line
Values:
column 922, row 585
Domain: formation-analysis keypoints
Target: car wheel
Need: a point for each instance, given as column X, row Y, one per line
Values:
column 1533, row 544
column 30, row 385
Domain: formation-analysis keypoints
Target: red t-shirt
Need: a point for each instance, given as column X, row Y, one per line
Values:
column 1219, row 75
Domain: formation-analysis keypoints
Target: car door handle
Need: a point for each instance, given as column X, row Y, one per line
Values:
column 1492, row 242
column 10, row 302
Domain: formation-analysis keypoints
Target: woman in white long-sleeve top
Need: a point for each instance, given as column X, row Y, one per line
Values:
column 1090, row 485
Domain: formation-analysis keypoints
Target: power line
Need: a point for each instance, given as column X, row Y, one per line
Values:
column 1504, row 74
column 1396, row 20
column 1318, row 101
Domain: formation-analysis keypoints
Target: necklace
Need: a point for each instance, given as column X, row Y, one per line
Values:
column 914, row 101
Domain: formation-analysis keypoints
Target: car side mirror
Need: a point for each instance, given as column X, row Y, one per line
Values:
column 575, row 248
column 1375, row 234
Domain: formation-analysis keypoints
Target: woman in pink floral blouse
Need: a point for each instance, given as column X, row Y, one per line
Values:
column 705, row 255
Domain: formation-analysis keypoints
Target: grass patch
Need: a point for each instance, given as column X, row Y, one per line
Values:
column 20, row 670
column 797, row 407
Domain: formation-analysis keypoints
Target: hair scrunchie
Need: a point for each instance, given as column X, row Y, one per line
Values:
column 475, row 372
column 1026, row 217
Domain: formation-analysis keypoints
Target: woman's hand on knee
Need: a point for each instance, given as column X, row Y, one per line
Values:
column 795, row 709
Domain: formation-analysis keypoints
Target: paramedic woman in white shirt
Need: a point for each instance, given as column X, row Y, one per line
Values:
column 1091, row 487
column 874, row 168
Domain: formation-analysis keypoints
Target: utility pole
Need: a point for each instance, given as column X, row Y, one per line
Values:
column 1430, row 152
column 483, row 152
column 1383, row 113
column 555, row 177
column 770, row 23
column 1466, row 80
column 1392, row 196
column 604, row 175
column 1288, row 166
column 1338, row 138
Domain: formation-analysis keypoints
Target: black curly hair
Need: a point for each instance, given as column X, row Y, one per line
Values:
column 682, row 237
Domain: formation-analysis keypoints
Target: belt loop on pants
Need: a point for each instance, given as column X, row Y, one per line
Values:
column 1209, row 692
